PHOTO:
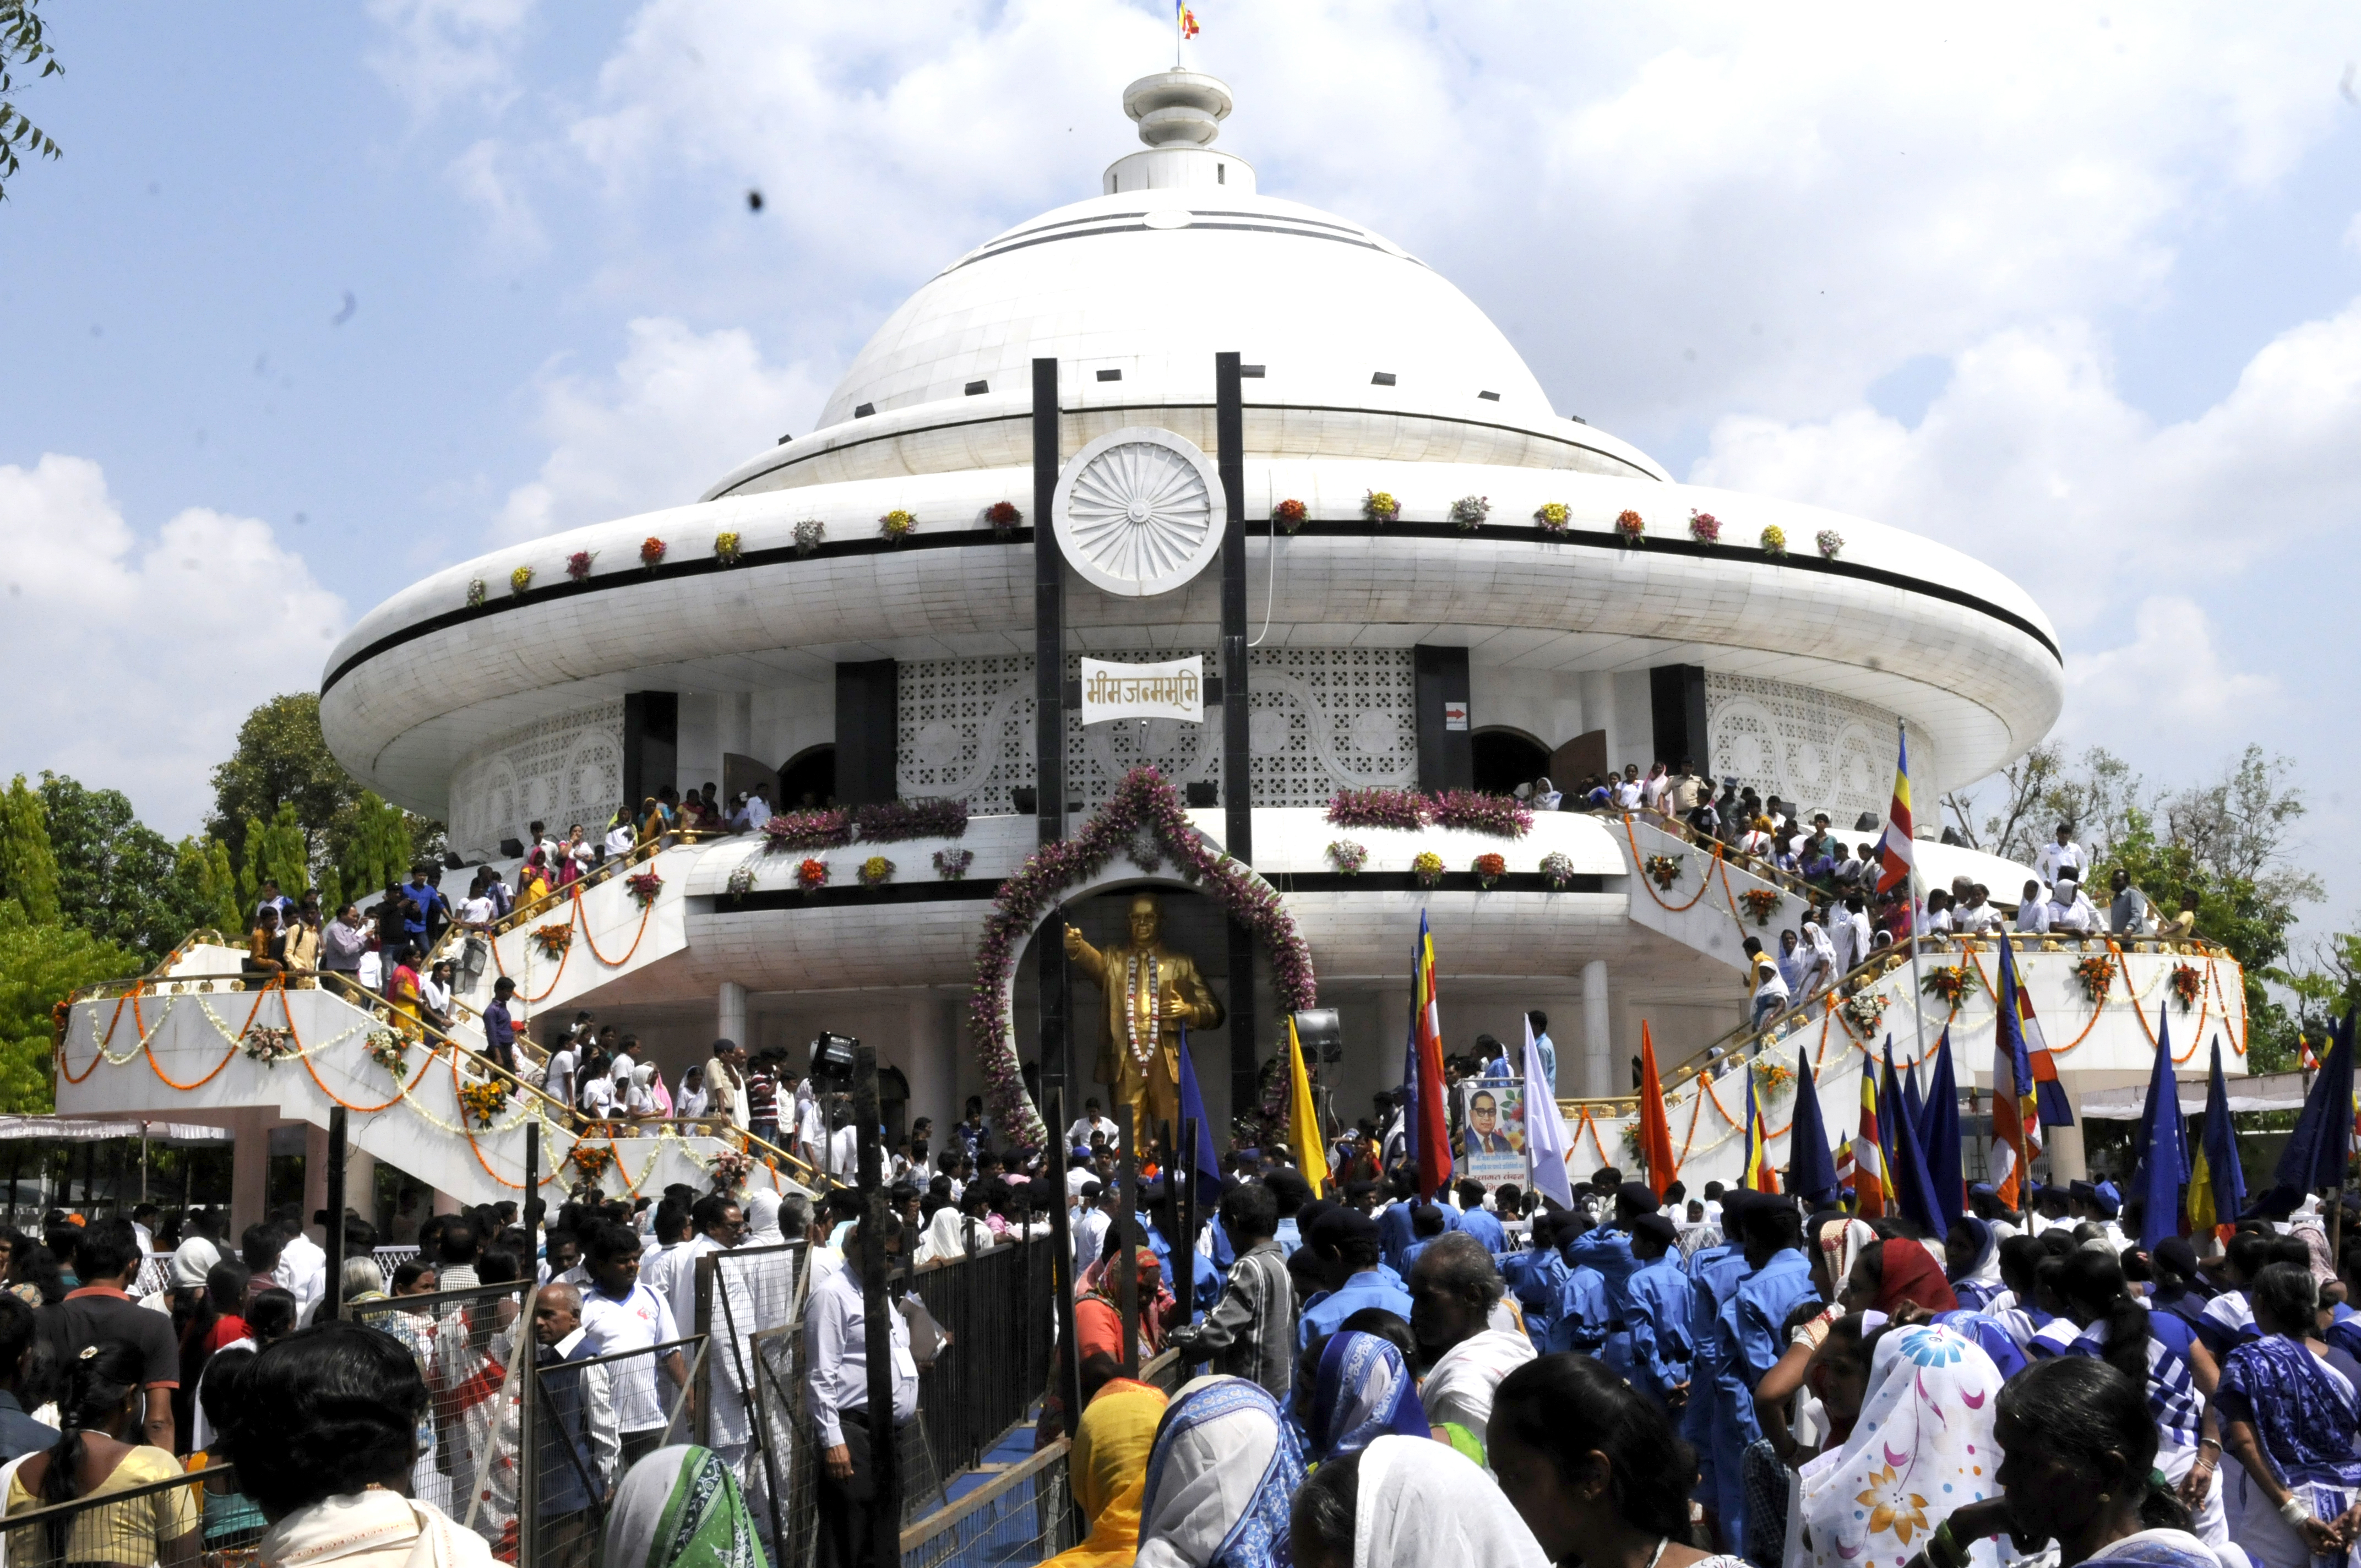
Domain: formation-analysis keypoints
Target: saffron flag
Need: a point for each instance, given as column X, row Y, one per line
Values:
column 1655, row 1130
column 1544, row 1128
column 2309, row 1062
column 1895, row 856
column 2159, row 1162
column 1867, row 1154
column 2217, row 1188
column 1302, row 1121
column 1184, row 18
column 1762, row 1176
column 1433, row 1116
column 1811, row 1171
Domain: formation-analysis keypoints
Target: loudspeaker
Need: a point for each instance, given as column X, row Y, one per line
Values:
column 511, row 850
column 1027, row 798
column 1322, row 1034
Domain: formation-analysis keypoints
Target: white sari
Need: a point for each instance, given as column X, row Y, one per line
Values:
column 1421, row 1502
column 1458, row 1391
column 1922, row 1446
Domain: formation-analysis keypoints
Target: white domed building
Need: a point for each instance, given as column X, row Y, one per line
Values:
column 1497, row 628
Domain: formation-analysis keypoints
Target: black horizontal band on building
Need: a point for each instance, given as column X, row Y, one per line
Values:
column 921, row 889
column 1352, row 528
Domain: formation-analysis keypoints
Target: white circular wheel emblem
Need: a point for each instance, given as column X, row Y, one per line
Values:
column 1136, row 512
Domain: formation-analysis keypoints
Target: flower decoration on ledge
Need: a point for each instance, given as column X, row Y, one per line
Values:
column 1950, row 983
column 952, row 864
column 592, row 1159
column 1864, row 1011
column 1347, row 857
column 1490, row 868
column 1830, row 542
column 1663, row 870
column 1704, row 527
column 810, row 533
column 1557, row 867
column 728, row 546
column 652, row 551
column 812, row 875
column 1401, row 808
column 268, row 1047
column 554, row 938
column 2187, row 985
column 1003, row 516
column 477, row 593
column 1552, row 516
column 1380, row 506
column 485, row 1100
column 1761, row 903
column 1289, row 514
column 1631, row 527
column 2097, row 975
column 895, row 526
column 1774, row 541
column 1469, row 512
column 520, row 580
column 1474, row 811
column 826, row 828
column 730, row 1169
column 876, row 871
column 894, row 821
column 388, row 1050
column 645, row 886
column 1773, row 1076
column 741, row 882
column 1428, row 869
column 578, row 565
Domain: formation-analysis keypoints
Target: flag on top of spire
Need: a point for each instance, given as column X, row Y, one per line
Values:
column 1184, row 18
column 1895, row 856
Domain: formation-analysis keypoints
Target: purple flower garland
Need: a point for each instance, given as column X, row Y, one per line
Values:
column 1503, row 815
column 1472, row 811
column 1144, row 799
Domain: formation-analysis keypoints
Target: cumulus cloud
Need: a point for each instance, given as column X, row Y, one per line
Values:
column 435, row 51
column 2169, row 682
column 679, row 410
column 132, row 657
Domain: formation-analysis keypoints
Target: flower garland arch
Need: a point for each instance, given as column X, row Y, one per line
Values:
column 1144, row 804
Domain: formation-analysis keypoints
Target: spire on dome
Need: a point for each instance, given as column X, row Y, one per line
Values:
column 1180, row 113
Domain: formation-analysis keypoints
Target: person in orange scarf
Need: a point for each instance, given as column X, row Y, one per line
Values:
column 1109, row 1468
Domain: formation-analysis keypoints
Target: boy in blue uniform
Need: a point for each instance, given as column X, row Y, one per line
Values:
column 1656, row 1314
column 1748, row 1342
column 1343, row 1244
column 1714, row 1273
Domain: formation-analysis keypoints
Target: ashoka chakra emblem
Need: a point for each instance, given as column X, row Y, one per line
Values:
column 1137, row 511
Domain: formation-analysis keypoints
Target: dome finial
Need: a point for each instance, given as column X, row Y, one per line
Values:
column 1178, row 108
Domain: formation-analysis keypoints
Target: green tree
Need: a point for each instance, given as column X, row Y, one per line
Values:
column 276, row 851
column 42, row 963
column 118, row 878
column 283, row 759
column 203, row 868
column 379, row 847
column 29, row 869
column 23, row 46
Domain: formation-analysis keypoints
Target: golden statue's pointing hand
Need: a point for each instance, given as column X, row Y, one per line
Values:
column 1150, row 995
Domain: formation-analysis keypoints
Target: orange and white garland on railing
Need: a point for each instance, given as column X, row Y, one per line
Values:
column 580, row 926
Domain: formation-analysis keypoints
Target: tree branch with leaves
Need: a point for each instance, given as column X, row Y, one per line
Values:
column 24, row 52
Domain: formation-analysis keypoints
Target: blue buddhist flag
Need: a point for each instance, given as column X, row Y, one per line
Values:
column 2163, row 1160
column 2317, row 1150
column 2217, row 1187
column 1940, row 1132
column 1914, row 1190
column 1203, row 1161
column 1811, row 1167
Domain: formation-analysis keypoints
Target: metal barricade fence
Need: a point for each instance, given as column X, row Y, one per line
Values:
column 1018, row 1517
column 179, row 1522
column 465, row 1342
column 999, row 1311
column 591, row 1417
column 739, row 1293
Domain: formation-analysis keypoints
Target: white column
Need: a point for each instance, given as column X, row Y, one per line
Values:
column 729, row 1013
column 1598, row 713
column 1597, row 1033
column 2067, row 1160
column 925, row 1059
column 360, row 1181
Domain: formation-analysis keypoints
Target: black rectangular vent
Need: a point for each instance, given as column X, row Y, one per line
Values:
column 1577, row 419
column 784, row 439
column 862, row 411
column 1250, row 372
column 1489, row 397
column 1110, row 375
column 976, row 388
column 1382, row 379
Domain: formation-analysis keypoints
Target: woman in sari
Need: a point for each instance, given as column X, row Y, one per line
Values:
column 2290, row 1407
column 1407, row 1502
column 1098, row 1311
column 1220, row 1480
column 1362, row 1391
column 532, row 882
column 1109, row 1466
column 680, row 1508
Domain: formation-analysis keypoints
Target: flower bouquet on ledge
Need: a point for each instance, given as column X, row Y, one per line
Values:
column 952, row 864
column 1704, row 527
column 1631, row 528
column 484, row 1100
column 1761, row 903
column 812, row 875
column 1663, row 870
column 730, row 1169
column 1469, row 512
column 1558, row 867
column 2187, row 985
column 1380, row 506
column 554, row 938
column 741, row 882
column 1474, row 811
column 1829, row 541
column 388, row 1050
column 895, row 526
column 644, row 887
column 652, row 551
column 1289, row 514
column 520, row 580
column 2097, row 975
column 1950, row 983
column 810, row 533
column 477, row 593
column 1864, row 1011
column 926, row 816
column 1428, row 869
column 270, row 1046
column 727, row 547
column 578, row 565
column 1774, row 541
column 1490, row 868
column 1002, row 516
column 1552, row 516
column 1773, row 1076
column 824, row 828
column 592, row 1159
column 1347, row 857
column 876, row 871
column 1401, row 808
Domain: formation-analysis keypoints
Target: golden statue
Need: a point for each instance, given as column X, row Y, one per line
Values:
column 1150, row 995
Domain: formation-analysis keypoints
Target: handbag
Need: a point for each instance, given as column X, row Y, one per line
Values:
column 928, row 1338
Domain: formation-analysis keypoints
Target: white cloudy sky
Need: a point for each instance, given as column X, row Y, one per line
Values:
column 307, row 310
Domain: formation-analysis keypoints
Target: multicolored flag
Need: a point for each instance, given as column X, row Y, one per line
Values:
column 1184, row 18
column 1896, row 855
column 2307, row 1060
column 1655, row 1130
column 1761, row 1176
column 2217, row 1187
column 1862, row 1164
column 1432, row 1110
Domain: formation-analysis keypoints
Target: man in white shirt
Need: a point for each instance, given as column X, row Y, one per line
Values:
column 558, row 1080
column 758, row 810
column 620, row 1313
column 2064, row 859
column 1848, row 931
column 716, row 1225
column 844, row 1149
column 836, row 1380
column 302, row 1262
column 1092, row 1120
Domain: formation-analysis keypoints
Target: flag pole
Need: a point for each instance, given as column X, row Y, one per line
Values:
column 1910, row 887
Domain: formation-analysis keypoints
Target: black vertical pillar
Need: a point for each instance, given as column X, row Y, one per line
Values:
column 1237, row 762
column 867, row 702
column 1446, row 740
column 877, row 1334
column 651, row 745
column 333, row 1232
column 1050, row 725
column 1676, row 707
